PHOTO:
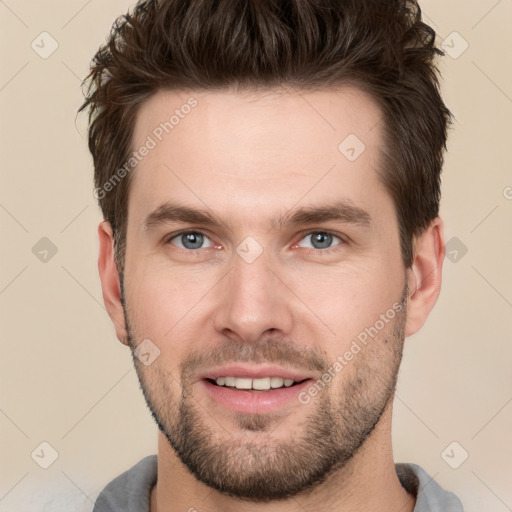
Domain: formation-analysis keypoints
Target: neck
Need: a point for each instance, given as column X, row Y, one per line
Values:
column 368, row 482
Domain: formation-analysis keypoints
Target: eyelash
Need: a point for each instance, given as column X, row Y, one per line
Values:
column 343, row 240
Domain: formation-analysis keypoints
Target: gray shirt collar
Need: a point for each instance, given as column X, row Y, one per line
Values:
column 131, row 491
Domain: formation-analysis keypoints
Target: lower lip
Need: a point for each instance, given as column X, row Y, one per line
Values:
column 254, row 402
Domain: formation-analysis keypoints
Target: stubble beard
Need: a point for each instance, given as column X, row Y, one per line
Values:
column 251, row 464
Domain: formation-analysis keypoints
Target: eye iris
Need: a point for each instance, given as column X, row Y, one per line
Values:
column 192, row 240
column 323, row 239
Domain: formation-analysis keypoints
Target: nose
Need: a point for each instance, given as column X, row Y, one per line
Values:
column 252, row 300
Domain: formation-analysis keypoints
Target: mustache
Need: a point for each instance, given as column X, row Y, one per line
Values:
column 270, row 351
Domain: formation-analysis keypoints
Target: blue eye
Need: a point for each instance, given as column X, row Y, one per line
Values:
column 190, row 240
column 321, row 240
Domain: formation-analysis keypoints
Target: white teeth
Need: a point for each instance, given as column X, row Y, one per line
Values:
column 243, row 383
column 276, row 382
column 262, row 384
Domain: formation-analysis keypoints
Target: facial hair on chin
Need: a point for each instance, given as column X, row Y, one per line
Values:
column 266, row 470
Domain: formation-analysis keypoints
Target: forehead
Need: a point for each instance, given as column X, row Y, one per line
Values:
column 257, row 148
column 201, row 117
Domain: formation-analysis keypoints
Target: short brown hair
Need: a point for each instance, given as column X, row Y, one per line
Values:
column 380, row 46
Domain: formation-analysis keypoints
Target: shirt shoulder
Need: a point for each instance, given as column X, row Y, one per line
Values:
column 430, row 496
column 130, row 491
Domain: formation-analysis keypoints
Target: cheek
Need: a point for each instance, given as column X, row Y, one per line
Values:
column 168, row 308
column 162, row 298
column 350, row 299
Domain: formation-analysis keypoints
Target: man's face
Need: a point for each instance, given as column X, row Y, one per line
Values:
column 288, row 298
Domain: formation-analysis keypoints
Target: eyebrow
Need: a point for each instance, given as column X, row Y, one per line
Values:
column 341, row 211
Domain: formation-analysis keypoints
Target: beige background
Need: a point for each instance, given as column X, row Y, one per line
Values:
column 67, row 381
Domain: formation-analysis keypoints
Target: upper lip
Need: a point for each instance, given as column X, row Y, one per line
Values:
column 255, row 372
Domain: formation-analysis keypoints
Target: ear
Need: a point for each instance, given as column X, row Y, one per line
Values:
column 424, row 276
column 109, row 277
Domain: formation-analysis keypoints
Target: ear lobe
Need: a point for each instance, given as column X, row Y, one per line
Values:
column 425, row 275
column 109, row 277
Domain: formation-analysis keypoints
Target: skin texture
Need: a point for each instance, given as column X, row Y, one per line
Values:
column 251, row 157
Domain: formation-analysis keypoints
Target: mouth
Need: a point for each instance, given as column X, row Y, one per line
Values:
column 262, row 395
column 259, row 385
